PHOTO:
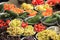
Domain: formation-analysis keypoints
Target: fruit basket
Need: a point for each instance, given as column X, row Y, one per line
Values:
column 39, row 20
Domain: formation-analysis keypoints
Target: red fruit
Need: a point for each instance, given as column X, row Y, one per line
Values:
column 1, row 25
column 36, row 29
column 39, row 27
column 37, row 2
column 59, row 1
column 4, row 24
column 43, row 27
column 1, row 21
column 35, row 25
column 40, row 2
column 33, row 2
column 24, row 24
column 7, row 21
column 51, row 2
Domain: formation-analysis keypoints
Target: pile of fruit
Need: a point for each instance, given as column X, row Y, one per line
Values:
column 30, row 21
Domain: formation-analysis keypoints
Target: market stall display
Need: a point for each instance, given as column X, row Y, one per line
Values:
column 36, row 21
column 47, row 35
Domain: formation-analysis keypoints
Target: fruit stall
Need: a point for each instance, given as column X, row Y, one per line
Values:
column 38, row 20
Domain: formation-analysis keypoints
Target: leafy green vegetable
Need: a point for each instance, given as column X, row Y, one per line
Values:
column 12, row 14
column 23, row 15
column 50, row 19
column 58, row 17
column 34, row 19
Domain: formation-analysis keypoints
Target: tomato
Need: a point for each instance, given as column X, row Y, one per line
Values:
column 59, row 1
column 7, row 21
column 37, row 2
column 39, row 27
column 1, row 25
column 1, row 21
column 33, row 2
column 52, row 2
column 4, row 24
column 35, row 25
column 40, row 2
column 24, row 24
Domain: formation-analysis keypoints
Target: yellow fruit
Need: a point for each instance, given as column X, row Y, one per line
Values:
column 26, row 6
column 15, row 31
column 42, row 7
column 15, row 23
column 29, row 31
column 47, row 34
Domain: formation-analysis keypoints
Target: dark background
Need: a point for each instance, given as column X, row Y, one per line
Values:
column 4, row 0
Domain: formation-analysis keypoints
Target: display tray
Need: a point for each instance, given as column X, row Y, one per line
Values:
column 29, row 22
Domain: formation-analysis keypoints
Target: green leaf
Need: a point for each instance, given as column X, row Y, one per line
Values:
column 50, row 19
column 33, row 20
column 11, row 13
column 23, row 15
